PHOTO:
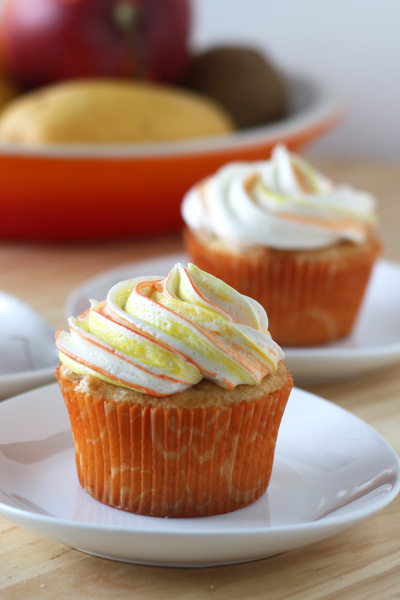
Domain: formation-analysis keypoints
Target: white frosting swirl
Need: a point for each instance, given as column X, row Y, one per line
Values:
column 282, row 203
column 160, row 336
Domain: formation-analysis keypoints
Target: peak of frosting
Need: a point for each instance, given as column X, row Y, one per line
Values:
column 161, row 335
column 283, row 203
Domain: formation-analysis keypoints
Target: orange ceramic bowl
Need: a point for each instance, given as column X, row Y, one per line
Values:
column 88, row 192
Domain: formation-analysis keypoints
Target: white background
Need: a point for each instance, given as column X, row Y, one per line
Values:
column 353, row 45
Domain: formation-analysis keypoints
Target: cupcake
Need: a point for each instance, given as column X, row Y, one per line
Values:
column 175, row 392
column 281, row 232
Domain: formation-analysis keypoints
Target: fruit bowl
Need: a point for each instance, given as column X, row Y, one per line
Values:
column 96, row 192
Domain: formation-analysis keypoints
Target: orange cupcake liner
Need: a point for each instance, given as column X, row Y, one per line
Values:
column 174, row 462
column 308, row 301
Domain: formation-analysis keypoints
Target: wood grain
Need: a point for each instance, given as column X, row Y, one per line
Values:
column 363, row 562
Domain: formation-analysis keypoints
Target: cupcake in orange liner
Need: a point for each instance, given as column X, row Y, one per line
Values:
column 282, row 233
column 175, row 392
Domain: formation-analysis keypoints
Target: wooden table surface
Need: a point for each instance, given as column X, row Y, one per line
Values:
column 363, row 562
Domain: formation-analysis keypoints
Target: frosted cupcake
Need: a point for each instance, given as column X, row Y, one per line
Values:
column 175, row 392
column 282, row 233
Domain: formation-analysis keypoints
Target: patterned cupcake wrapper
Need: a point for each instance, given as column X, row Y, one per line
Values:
column 174, row 462
column 308, row 302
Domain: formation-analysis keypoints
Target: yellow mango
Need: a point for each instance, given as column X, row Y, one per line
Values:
column 111, row 111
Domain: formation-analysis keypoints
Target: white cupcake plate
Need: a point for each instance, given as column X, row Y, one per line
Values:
column 373, row 344
column 331, row 471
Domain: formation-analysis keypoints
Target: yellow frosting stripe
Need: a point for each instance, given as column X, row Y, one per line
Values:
column 161, row 335
column 134, row 344
column 188, row 338
column 220, row 332
column 337, row 210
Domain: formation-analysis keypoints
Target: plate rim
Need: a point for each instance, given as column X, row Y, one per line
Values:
column 324, row 524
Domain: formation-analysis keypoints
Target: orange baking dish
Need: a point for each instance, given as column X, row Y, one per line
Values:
column 98, row 192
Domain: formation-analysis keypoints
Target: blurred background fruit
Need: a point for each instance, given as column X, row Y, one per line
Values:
column 111, row 111
column 49, row 40
column 242, row 80
column 74, row 180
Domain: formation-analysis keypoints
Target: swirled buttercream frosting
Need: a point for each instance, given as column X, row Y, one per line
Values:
column 162, row 335
column 282, row 203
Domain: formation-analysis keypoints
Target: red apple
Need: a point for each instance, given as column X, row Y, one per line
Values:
column 50, row 40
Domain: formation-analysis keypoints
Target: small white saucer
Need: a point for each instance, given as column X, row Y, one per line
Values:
column 331, row 471
column 373, row 344
column 17, row 383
